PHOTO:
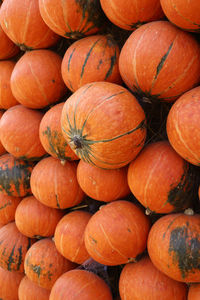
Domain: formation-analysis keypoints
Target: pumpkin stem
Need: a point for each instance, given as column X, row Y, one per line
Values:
column 77, row 142
column 148, row 211
column 189, row 212
column 63, row 162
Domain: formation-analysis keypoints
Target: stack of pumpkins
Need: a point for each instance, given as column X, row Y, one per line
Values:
column 83, row 178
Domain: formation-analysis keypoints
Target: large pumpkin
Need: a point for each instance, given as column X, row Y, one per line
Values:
column 29, row 290
column 7, row 48
column 8, row 205
column 22, row 22
column 183, row 126
column 94, row 58
column 174, row 246
column 194, row 291
column 19, row 132
column 9, row 284
column 104, row 124
column 154, row 64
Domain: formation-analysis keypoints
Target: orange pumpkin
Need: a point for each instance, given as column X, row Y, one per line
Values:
column 56, row 185
column 154, row 64
column 19, row 132
column 28, row 290
column 51, row 135
column 2, row 149
column 194, row 291
column 80, row 284
column 94, row 58
column 23, row 24
column 117, row 233
column 174, row 246
column 183, row 127
column 143, row 281
column 7, row 48
column 36, row 80
column 104, row 124
column 43, row 264
column 32, row 218
column 9, row 283
column 8, row 205
column 101, row 184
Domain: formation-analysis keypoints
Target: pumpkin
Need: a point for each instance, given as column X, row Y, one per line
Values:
column 143, row 281
column 44, row 264
column 51, row 136
column 69, row 236
column 23, row 24
column 32, row 218
column 13, row 248
column 7, row 48
column 93, row 58
column 154, row 64
column 104, row 124
column 194, row 291
column 130, row 15
column 182, row 13
column 7, row 99
column 8, row 205
column 183, row 128
column 28, row 290
column 19, row 132
column 117, row 233
column 72, row 19
column 159, row 170
column 2, row 149
column 174, row 246
column 36, row 80
column 9, row 283
column 80, row 284
column 103, row 184
column 15, row 176
column 56, row 185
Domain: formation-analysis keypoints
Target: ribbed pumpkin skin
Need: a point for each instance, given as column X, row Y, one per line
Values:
column 13, row 248
column 51, row 135
column 104, row 124
column 2, row 149
column 7, row 48
column 15, row 176
column 159, row 170
column 182, row 13
column 111, row 235
column 36, row 80
column 94, row 58
column 56, row 185
column 183, row 128
column 194, row 291
column 174, row 246
column 80, row 284
column 43, row 264
column 154, row 63
column 143, row 281
column 9, row 283
column 69, row 236
column 32, row 218
column 101, row 184
column 22, row 22
column 28, row 290
column 7, row 99
column 8, row 205
column 72, row 19
column 130, row 15
column 19, row 132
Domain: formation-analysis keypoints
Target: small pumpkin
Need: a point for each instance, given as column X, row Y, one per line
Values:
column 9, row 283
column 7, row 48
column 80, row 284
column 194, row 291
column 8, row 205
column 104, row 124
column 43, row 264
column 117, row 233
column 174, row 246
column 28, row 290
column 19, row 132
column 93, row 58
column 36, row 79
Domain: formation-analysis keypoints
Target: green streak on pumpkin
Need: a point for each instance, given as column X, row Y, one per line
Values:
column 70, row 58
column 29, row 243
column 112, row 64
column 11, row 259
column 36, row 269
column 19, row 258
column 6, row 204
column 57, row 202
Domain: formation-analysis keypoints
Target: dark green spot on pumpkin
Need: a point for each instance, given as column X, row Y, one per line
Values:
column 19, row 258
column 36, row 269
column 11, row 259
column 57, row 201
column 112, row 64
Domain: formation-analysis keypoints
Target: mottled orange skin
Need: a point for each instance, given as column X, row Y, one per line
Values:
column 69, row 236
column 94, row 58
column 174, row 246
column 36, row 80
column 183, row 126
column 22, row 22
column 131, row 14
column 43, row 264
column 2, row 149
column 80, row 284
column 9, row 283
column 194, row 291
column 183, row 13
column 7, row 48
column 117, row 233
column 143, row 281
column 28, row 290
column 159, row 61
column 8, row 205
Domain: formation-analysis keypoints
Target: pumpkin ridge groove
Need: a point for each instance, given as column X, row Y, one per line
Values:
column 70, row 58
column 112, row 63
column 186, row 19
